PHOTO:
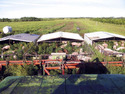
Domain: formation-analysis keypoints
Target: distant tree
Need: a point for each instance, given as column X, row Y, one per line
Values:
column 120, row 21
column 30, row 19
column 5, row 20
column 16, row 20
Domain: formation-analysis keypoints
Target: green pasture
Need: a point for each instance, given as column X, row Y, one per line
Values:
column 66, row 25
column 66, row 84
column 36, row 27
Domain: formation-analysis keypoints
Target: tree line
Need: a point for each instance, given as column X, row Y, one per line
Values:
column 119, row 21
column 22, row 19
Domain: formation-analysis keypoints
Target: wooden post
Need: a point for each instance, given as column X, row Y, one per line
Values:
column 123, row 60
column 9, row 42
column 2, row 54
column 43, row 66
column 7, row 61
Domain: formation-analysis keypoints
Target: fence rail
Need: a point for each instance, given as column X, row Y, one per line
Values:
column 60, row 64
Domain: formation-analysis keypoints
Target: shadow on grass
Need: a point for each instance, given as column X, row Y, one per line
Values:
column 91, row 82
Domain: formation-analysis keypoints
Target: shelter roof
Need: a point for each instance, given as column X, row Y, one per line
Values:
column 21, row 37
column 60, row 34
column 103, row 35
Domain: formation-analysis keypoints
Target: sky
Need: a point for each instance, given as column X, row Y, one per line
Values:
column 61, row 8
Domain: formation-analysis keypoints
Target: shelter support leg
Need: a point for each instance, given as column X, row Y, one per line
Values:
column 63, row 70
column 0, row 67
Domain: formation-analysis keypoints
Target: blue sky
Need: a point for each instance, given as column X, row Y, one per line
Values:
column 61, row 8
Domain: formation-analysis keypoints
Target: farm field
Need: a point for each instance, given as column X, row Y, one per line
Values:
column 80, row 26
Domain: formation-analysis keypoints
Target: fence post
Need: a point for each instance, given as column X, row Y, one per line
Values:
column 123, row 60
column 43, row 66
column 7, row 61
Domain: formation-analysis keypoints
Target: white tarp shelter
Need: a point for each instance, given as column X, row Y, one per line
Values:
column 60, row 36
column 101, row 35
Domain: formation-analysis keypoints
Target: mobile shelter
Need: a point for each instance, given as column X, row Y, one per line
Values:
column 89, row 38
column 23, row 37
column 60, row 36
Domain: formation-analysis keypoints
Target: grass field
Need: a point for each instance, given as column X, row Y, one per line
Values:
column 66, row 25
column 66, row 84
